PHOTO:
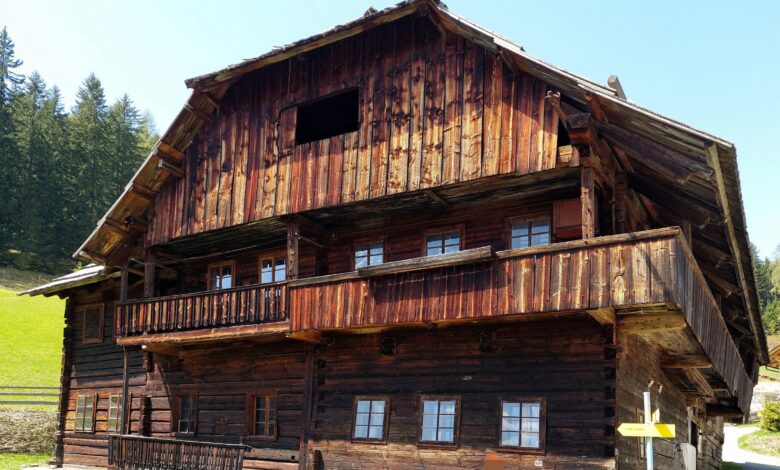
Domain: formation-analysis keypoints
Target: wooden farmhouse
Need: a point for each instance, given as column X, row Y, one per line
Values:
column 406, row 243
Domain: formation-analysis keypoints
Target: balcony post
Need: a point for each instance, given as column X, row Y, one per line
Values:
column 587, row 196
column 123, row 282
column 149, row 274
column 292, row 248
column 619, row 207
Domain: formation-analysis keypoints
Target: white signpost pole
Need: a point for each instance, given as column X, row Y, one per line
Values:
column 649, row 440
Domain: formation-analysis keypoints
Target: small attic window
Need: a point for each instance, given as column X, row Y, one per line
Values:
column 327, row 117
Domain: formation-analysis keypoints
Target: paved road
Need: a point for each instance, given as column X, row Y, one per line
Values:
column 749, row 460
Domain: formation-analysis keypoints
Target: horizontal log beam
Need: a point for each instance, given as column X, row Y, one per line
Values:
column 212, row 334
column 724, row 411
column 143, row 191
column 687, row 361
column 651, row 322
column 605, row 316
column 173, row 170
column 170, row 151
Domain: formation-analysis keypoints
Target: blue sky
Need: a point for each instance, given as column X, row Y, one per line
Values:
column 714, row 65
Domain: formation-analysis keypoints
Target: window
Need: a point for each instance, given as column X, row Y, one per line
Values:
column 222, row 275
column 85, row 413
column 93, row 324
column 530, row 233
column 522, row 423
column 114, row 418
column 369, row 254
column 186, row 414
column 262, row 418
column 640, row 418
column 439, row 420
column 273, row 270
column 326, row 117
column 440, row 243
column 371, row 416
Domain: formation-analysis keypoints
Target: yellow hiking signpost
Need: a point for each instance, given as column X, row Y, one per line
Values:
column 646, row 430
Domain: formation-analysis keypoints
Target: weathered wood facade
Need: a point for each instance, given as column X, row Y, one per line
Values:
column 434, row 110
column 486, row 236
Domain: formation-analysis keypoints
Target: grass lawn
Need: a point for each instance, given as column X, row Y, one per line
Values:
column 31, row 339
column 15, row 461
column 761, row 442
column 771, row 373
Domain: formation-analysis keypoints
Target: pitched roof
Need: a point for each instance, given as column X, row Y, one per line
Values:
column 91, row 274
column 713, row 182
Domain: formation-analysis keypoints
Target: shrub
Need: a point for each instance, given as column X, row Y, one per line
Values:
column 769, row 417
column 23, row 430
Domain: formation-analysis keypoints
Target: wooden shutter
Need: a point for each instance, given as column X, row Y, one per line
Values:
column 93, row 324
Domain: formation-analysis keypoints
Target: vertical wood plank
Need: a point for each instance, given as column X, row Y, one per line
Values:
column 507, row 156
column 453, row 108
column 417, row 110
column 384, row 56
column 525, row 128
column 493, row 82
column 473, row 93
column 433, row 106
column 398, row 168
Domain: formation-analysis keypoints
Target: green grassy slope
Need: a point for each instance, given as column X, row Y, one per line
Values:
column 30, row 339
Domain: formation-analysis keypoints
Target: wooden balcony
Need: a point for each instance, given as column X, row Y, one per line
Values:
column 139, row 452
column 639, row 281
column 239, row 311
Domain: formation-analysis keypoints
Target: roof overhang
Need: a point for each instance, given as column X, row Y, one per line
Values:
column 92, row 274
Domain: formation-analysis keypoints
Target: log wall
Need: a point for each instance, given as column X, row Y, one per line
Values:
column 434, row 109
column 639, row 364
column 222, row 377
column 96, row 368
column 562, row 361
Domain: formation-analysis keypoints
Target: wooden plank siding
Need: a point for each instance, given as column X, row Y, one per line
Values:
column 650, row 267
column 434, row 109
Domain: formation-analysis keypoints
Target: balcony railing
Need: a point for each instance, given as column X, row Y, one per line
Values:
column 139, row 452
column 654, row 267
column 212, row 309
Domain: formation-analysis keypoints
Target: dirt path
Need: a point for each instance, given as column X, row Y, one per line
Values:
column 749, row 460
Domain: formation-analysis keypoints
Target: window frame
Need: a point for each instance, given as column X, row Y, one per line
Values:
column 118, row 417
column 92, row 340
column 178, row 401
column 542, row 425
column 460, row 228
column 456, row 425
column 251, row 413
column 221, row 264
column 527, row 218
column 273, row 256
column 298, row 140
column 368, row 242
column 85, row 396
column 385, row 420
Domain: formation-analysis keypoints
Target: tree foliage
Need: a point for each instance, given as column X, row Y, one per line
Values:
column 767, row 274
column 60, row 171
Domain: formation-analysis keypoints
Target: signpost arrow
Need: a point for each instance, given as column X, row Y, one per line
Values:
column 646, row 430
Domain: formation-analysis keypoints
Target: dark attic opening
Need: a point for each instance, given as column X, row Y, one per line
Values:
column 327, row 117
